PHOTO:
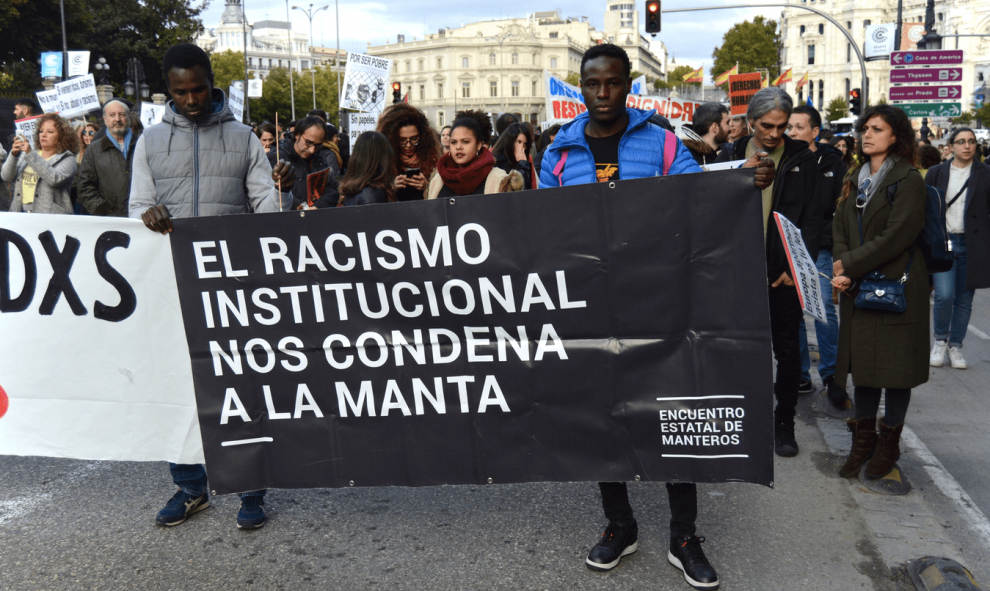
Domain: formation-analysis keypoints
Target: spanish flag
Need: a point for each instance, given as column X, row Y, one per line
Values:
column 784, row 77
column 764, row 82
column 724, row 76
column 696, row 76
column 802, row 82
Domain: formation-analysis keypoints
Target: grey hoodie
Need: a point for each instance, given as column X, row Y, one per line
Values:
column 213, row 166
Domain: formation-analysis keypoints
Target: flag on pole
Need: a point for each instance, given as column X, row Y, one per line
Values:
column 724, row 76
column 696, row 76
column 802, row 82
column 784, row 77
column 765, row 82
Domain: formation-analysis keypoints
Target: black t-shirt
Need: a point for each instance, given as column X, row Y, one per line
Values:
column 606, row 153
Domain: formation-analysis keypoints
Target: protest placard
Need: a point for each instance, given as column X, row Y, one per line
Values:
column 564, row 101
column 25, row 128
column 77, row 96
column 366, row 83
column 677, row 111
column 358, row 123
column 235, row 100
column 742, row 87
column 803, row 269
column 48, row 100
column 151, row 114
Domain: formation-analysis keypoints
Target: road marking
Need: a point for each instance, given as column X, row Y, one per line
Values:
column 979, row 333
column 975, row 518
column 245, row 441
column 698, row 397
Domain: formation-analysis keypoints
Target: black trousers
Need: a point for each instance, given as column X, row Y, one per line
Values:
column 785, row 318
column 682, row 497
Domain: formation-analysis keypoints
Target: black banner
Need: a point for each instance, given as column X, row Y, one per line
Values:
column 614, row 331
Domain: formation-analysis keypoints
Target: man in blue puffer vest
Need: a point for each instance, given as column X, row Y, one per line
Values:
column 607, row 143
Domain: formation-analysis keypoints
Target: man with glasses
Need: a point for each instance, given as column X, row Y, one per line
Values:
column 104, row 179
column 310, row 163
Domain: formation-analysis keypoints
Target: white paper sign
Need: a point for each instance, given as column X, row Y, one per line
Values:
column 638, row 85
column 25, row 127
column 359, row 123
column 803, row 269
column 255, row 88
column 879, row 41
column 235, row 100
column 77, row 96
column 104, row 374
column 78, row 63
column 723, row 165
column 48, row 100
column 151, row 114
column 366, row 83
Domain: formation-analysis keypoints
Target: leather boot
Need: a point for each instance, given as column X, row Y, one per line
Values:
column 864, row 442
column 887, row 452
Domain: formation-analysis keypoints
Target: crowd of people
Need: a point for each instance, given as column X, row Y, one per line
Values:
column 859, row 203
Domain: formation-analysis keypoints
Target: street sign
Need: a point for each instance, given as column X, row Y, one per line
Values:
column 931, row 109
column 914, row 75
column 926, row 93
column 938, row 57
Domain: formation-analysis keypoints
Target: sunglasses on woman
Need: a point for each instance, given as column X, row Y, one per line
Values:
column 89, row 132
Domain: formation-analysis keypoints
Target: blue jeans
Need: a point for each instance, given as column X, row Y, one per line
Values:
column 827, row 334
column 953, row 302
column 192, row 479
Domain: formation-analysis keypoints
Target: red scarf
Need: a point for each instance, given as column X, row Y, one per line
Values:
column 463, row 181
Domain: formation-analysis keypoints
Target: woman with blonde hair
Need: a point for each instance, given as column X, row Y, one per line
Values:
column 42, row 177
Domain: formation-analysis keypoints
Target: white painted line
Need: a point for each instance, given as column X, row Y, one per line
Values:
column 246, row 441
column 697, row 398
column 979, row 333
column 975, row 518
column 703, row 457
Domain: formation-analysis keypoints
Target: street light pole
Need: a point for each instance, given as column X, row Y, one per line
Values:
column 336, row 7
column 247, row 101
column 65, row 44
column 309, row 13
column 292, row 89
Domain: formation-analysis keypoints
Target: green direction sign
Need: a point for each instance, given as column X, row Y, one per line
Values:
column 931, row 109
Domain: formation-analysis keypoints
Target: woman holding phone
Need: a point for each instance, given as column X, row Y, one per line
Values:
column 416, row 146
column 42, row 177
column 469, row 168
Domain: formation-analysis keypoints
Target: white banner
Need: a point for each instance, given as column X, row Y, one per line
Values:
column 78, row 63
column 366, row 83
column 564, row 101
column 151, row 114
column 879, row 41
column 803, row 269
column 48, row 100
column 25, row 128
column 255, row 87
column 235, row 100
column 77, row 96
column 76, row 365
column 677, row 111
column 359, row 123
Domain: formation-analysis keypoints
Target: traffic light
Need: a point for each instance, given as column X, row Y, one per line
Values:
column 396, row 92
column 855, row 102
column 653, row 16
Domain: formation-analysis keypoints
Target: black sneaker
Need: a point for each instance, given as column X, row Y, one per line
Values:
column 687, row 555
column 806, row 387
column 251, row 515
column 180, row 506
column 836, row 393
column 617, row 541
column 784, row 443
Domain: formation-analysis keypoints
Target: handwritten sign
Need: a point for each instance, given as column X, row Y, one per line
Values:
column 803, row 269
column 742, row 87
column 77, row 96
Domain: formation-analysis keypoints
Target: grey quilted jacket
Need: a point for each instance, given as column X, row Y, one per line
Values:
column 54, row 180
column 211, row 166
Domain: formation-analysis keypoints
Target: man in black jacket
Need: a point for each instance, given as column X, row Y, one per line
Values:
column 307, row 156
column 709, row 129
column 104, row 179
column 805, row 125
column 794, row 195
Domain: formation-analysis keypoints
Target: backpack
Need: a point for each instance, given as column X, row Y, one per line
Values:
column 934, row 239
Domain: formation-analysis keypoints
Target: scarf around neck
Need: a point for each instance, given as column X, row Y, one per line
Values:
column 463, row 181
column 875, row 179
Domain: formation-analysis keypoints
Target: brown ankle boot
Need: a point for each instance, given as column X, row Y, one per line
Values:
column 887, row 452
column 864, row 442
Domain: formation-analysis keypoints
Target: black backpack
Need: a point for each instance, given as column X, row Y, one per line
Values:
column 934, row 238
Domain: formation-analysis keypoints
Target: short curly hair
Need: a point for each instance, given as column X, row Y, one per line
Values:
column 401, row 115
column 68, row 139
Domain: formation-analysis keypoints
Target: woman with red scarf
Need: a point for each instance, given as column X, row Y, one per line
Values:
column 416, row 146
column 469, row 168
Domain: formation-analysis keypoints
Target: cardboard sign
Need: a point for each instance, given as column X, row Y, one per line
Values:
column 803, row 269
column 235, row 100
column 77, row 96
column 742, row 87
column 358, row 123
column 48, row 100
column 151, row 114
column 25, row 127
column 316, row 182
column 366, row 83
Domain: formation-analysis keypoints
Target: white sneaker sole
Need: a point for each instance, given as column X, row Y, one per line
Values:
column 697, row 585
column 936, row 362
column 204, row 505
column 609, row 566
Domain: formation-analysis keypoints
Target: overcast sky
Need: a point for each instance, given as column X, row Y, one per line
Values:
column 690, row 37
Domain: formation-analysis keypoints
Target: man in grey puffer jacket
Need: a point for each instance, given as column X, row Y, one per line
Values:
column 197, row 162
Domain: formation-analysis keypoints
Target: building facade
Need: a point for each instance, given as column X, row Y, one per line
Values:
column 497, row 66
column 812, row 44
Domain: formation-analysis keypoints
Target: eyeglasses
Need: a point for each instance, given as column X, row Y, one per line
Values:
column 861, row 194
column 310, row 144
column 971, row 141
column 89, row 132
column 409, row 141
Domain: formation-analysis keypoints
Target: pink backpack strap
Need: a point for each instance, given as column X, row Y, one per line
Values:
column 558, row 171
column 669, row 150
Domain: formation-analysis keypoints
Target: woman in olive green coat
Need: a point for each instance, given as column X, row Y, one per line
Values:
column 882, row 350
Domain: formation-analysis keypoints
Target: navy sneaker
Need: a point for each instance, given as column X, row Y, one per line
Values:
column 181, row 506
column 686, row 554
column 251, row 515
column 617, row 541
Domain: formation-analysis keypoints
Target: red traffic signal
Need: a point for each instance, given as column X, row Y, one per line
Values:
column 396, row 92
column 855, row 102
column 653, row 16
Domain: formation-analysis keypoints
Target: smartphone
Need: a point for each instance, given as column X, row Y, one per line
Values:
column 412, row 172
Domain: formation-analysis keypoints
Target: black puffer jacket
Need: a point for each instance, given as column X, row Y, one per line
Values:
column 833, row 170
column 367, row 196
column 522, row 166
column 795, row 196
column 322, row 159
